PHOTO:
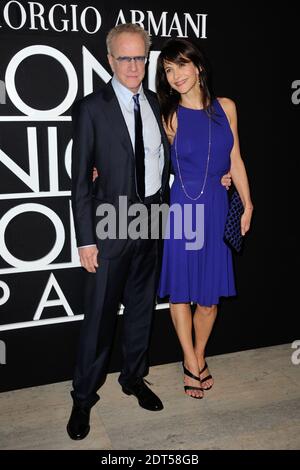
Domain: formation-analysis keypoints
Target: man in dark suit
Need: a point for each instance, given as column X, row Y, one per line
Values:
column 118, row 130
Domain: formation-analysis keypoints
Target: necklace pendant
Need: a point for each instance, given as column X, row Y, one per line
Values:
column 207, row 163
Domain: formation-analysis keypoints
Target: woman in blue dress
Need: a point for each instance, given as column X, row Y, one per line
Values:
column 202, row 131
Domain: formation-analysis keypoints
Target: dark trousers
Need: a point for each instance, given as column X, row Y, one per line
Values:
column 132, row 280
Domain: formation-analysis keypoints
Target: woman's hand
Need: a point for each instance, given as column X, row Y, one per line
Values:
column 95, row 174
column 226, row 180
column 246, row 219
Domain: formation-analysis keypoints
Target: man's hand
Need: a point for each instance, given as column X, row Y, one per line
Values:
column 226, row 180
column 88, row 258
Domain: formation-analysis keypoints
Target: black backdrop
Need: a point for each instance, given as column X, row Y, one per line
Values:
column 40, row 281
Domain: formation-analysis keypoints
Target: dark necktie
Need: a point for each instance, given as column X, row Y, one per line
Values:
column 139, row 150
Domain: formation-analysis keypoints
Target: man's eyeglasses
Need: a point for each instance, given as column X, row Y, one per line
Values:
column 139, row 59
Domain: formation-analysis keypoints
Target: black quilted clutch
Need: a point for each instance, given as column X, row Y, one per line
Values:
column 232, row 233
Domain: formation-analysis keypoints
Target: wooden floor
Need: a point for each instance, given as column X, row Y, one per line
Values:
column 254, row 404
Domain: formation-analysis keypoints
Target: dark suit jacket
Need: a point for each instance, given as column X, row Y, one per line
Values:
column 101, row 139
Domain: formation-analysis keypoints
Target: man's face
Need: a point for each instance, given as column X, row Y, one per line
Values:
column 130, row 74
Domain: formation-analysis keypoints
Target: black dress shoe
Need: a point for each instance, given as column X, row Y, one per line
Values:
column 146, row 398
column 79, row 423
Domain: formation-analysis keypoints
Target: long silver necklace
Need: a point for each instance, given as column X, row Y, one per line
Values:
column 207, row 164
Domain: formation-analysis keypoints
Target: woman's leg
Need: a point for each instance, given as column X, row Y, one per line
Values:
column 204, row 319
column 182, row 319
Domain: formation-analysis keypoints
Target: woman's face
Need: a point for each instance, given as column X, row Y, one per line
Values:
column 182, row 77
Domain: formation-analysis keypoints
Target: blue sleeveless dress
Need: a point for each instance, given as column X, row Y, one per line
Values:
column 204, row 272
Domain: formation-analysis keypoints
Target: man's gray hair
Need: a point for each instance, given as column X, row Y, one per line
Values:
column 128, row 28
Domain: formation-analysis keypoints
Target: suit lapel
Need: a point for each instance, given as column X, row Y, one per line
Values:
column 116, row 119
column 155, row 108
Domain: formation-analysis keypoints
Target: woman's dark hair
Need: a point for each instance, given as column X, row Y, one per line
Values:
column 180, row 51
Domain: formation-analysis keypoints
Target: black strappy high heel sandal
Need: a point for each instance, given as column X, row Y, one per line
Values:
column 205, row 378
column 189, row 387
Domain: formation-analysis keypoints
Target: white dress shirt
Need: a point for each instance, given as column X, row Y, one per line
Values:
column 154, row 160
